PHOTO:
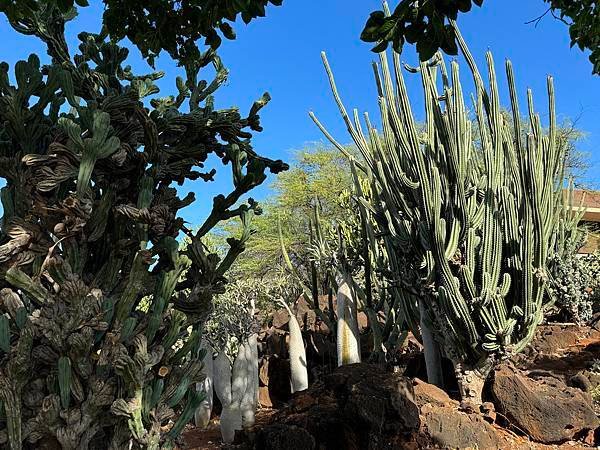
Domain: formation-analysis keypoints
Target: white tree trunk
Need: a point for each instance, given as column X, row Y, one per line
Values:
column 297, row 351
column 348, row 339
column 202, row 415
column 249, row 399
column 231, row 418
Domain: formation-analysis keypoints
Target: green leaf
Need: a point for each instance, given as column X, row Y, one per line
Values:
column 426, row 48
column 381, row 47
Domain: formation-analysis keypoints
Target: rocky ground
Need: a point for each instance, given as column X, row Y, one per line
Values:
column 541, row 399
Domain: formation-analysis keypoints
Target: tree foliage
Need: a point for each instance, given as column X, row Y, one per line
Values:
column 426, row 24
column 319, row 175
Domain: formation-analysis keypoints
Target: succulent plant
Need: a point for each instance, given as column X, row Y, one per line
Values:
column 467, row 229
column 297, row 352
column 91, row 158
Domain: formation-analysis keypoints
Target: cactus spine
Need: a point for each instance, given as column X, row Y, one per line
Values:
column 467, row 229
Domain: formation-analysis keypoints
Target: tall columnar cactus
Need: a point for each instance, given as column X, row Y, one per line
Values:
column 467, row 222
column 91, row 156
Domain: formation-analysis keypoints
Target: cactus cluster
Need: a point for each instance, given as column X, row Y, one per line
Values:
column 468, row 222
column 574, row 278
column 91, row 157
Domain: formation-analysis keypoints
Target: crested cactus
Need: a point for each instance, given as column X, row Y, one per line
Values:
column 467, row 223
column 89, row 228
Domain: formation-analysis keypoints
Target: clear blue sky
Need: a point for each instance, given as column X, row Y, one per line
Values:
column 280, row 54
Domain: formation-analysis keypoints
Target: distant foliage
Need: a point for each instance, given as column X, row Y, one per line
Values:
column 318, row 176
column 239, row 310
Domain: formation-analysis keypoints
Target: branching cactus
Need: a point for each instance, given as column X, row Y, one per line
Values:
column 91, row 156
column 468, row 221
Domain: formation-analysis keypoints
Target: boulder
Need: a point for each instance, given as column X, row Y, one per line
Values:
column 280, row 436
column 448, row 428
column 425, row 393
column 545, row 408
column 360, row 406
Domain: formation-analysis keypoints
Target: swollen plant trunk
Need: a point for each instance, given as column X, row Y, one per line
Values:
column 431, row 349
column 204, row 411
column 250, row 397
column 471, row 380
column 231, row 418
column 348, row 340
column 298, row 367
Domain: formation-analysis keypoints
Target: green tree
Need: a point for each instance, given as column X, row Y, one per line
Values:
column 319, row 175
column 426, row 24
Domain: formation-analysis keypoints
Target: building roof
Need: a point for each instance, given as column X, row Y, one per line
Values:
column 591, row 202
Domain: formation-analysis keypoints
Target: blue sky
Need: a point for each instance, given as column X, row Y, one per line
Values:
column 281, row 54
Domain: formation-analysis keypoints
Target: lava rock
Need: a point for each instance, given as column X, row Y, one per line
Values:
column 449, row 428
column 546, row 409
column 281, row 436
